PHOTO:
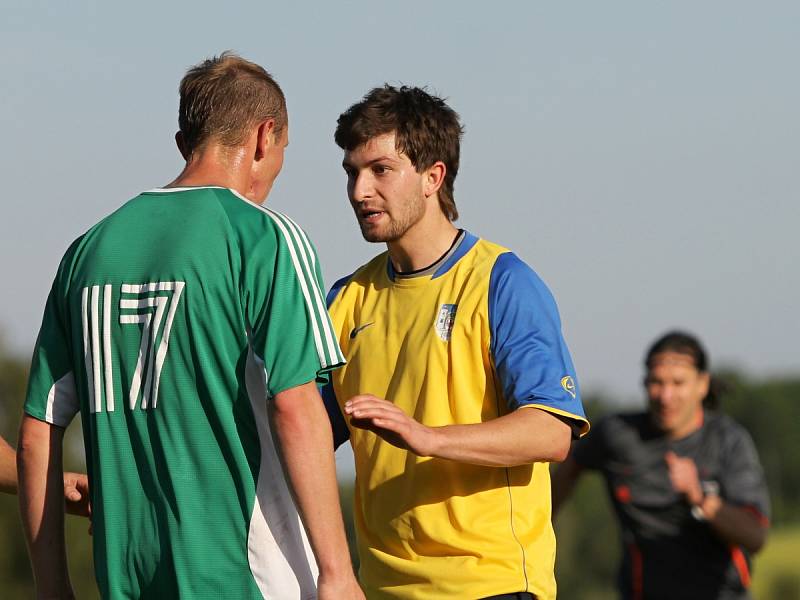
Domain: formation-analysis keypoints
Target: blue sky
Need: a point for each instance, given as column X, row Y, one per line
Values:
column 642, row 157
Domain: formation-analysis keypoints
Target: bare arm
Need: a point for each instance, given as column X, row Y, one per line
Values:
column 731, row 523
column 8, row 468
column 524, row 436
column 41, row 500
column 305, row 438
column 76, row 485
column 563, row 481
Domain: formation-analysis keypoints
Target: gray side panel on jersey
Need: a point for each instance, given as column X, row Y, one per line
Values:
column 279, row 554
column 62, row 401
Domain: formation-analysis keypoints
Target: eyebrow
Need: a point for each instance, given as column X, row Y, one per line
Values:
column 384, row 157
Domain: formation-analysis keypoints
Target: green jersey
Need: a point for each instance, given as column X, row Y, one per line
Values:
column 169, row 326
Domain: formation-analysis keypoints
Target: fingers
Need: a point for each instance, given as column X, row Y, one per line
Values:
column 76, row 494
column 683, row 476
column 373, row 409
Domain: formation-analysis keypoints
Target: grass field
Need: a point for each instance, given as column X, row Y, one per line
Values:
column 776, row 573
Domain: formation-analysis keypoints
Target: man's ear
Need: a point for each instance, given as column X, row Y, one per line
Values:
column 265, row 137
column 434, row 178
column 181, row 143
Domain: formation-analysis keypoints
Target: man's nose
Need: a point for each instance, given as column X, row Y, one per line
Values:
column 361, row 187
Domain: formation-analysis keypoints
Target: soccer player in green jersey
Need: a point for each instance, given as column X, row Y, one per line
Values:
column 189, row 330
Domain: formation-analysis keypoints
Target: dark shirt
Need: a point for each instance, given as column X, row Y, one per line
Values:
column 667, row 553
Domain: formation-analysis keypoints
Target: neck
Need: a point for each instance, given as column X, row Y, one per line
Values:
column 217, row 166
column 693, row 425
column 422, row 244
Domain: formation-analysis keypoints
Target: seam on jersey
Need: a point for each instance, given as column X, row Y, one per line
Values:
column 491, row 302
column 511, row 504
column 513, row 532
column 242, row 308
column 500, row 393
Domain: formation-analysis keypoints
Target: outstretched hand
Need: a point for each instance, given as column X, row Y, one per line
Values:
column 76, row 494
column 684, row 478
column 390, row 423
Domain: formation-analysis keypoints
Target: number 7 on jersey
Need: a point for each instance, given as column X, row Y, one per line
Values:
column 151, row 305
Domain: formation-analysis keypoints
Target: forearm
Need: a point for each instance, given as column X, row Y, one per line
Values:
column 305, row 438
column 8, row 468
column 563, row 481
column 41, row 499
column 525, row 436
column 734, row 525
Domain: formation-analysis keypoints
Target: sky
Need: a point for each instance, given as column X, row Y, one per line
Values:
column 643, row 158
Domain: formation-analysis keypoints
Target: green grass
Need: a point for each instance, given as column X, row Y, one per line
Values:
column 776, row 572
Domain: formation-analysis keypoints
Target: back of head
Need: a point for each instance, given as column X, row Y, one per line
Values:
column 426, row 130
column 223, row 98
column 681, row 342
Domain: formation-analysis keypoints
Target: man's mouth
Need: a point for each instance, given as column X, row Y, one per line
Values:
column 369, row 216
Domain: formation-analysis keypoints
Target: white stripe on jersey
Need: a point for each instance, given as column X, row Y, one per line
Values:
column 312, row 311
column 138, row 302
column 107, row 347
column 98, row 385
column 153, row 286
column 162, row 347
column 321, row 309
column 87, row 348
column 136, row 381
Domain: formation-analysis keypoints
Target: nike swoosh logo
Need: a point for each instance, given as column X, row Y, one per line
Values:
column 356, row 330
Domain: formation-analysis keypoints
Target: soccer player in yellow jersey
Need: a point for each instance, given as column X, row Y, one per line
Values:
column 459, row 388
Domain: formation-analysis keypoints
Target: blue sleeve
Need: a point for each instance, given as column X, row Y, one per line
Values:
column 335, row 289
column 530, row 356
column 341, row 433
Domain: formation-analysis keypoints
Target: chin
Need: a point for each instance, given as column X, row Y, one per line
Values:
column 376, row 236
column 660, row 423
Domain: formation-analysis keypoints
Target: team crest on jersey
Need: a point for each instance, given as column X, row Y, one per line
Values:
column 445, row 320
column 568, row 383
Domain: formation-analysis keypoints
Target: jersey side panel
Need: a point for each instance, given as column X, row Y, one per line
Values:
column 291, row 343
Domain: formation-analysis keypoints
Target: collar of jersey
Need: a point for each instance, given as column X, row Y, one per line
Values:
column 187, row 189
column 463, row 247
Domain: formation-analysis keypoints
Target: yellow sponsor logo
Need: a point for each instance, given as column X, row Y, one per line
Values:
column 568, row 383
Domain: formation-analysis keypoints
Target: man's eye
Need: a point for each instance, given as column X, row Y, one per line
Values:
column 379, row 169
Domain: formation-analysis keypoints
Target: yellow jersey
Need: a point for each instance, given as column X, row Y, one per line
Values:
column 476, row 337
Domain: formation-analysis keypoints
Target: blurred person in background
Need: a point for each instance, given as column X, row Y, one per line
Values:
column 685, row 482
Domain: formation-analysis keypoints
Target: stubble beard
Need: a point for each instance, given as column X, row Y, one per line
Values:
column 397, row 227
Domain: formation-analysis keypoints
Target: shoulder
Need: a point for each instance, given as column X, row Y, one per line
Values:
column 363, row 277
column 516, row 288
column 616, row 423
column 245, row 215
column 68, row 263
column 729, row 433
column 510, row 268
column 259, row 228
